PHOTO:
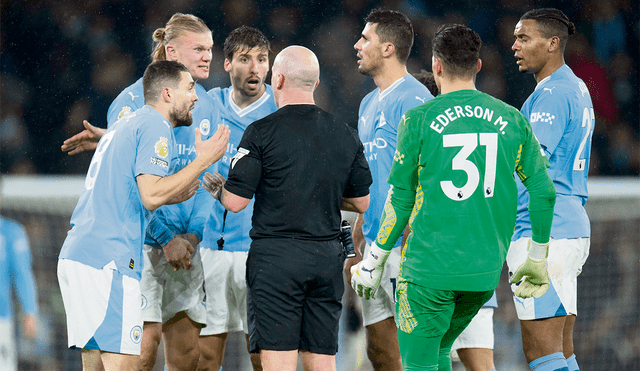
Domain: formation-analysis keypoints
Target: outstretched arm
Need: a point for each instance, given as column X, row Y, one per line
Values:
column 215, row 185
column 86, row 140
column 156, row 191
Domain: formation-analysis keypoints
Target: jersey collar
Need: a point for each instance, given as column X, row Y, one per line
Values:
column 543, row 81
column 250, row 108
column 388, row 90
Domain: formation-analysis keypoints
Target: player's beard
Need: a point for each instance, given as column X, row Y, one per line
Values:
column 180, row 118
column 370, row 69
column 244, row 86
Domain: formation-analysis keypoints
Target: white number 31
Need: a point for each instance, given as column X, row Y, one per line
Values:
column 469, row 142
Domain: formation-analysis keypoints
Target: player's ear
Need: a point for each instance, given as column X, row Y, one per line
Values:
column 436, row 66
column 479, row 65
column 171, row 52
column 388, row 49
column 554, row 44
column 278, row 81
column 227, row 65
column 166, row 94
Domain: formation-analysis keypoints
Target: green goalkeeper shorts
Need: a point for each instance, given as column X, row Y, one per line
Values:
column 426, row 312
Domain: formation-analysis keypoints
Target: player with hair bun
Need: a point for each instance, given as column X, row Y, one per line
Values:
column 172, row 297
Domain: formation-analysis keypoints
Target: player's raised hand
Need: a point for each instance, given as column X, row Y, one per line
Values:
column 213, row 148
column 213, row 183
column 532, row 274
column 86, row 140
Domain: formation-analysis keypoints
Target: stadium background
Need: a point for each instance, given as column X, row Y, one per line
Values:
column 65, row 61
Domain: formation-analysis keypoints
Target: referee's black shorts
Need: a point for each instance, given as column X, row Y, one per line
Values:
column 294, row 294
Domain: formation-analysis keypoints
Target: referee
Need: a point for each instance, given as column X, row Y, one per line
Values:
column 303, row 166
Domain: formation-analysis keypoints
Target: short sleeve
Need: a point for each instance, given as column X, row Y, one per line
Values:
column 155, row 147
column 245, row 169
column 360, row 178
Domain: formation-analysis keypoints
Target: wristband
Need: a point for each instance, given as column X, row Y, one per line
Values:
column 377, row 255
column 538, row 251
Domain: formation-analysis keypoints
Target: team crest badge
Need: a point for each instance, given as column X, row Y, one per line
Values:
column 125, row 111
column 205, row 127
column 382, row 121
column 162, row 147
column 136, row 334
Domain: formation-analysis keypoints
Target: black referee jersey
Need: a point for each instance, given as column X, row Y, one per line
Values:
column 299, row 162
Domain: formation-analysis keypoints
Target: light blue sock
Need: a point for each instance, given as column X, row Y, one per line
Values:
column 572, row 363
column 552, row 362
column 165, row 368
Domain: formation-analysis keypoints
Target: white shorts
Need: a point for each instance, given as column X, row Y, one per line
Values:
column 165, row 292
column 384, row 305
column 479, row 333
column 564, row 264
column 102, row 307
column 8, row 353
column 225, row 288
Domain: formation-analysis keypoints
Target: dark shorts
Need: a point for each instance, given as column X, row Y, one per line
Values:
column 294, row 295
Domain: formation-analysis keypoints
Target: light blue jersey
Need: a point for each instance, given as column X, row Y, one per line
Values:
column 183, row 217
column 380, row 115
column 109, row 220
column 237, row 225
column 15, row 270
column 561, row 114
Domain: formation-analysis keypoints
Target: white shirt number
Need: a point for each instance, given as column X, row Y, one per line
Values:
column 469, row 142
column 96, row 161
column 588, row 118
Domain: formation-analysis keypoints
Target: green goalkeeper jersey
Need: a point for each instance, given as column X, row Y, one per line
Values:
column 454, row 167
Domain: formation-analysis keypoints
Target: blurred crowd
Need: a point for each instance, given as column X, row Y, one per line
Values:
column 64, row 61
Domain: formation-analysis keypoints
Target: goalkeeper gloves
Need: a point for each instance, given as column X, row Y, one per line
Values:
column 366, row 275
column 534, row 271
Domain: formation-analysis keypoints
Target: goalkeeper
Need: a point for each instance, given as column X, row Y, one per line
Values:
column 452, row 181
